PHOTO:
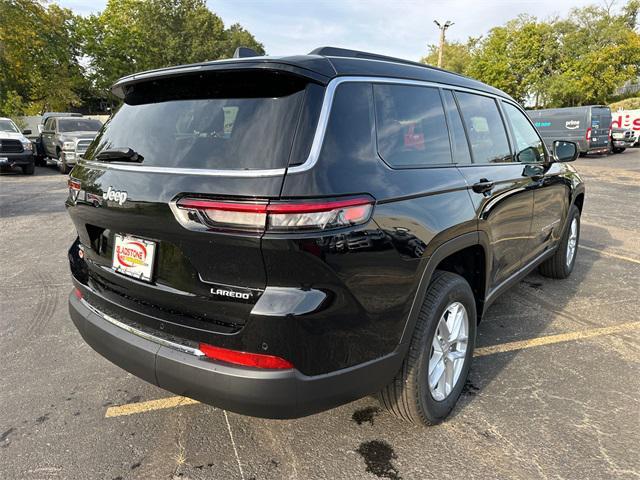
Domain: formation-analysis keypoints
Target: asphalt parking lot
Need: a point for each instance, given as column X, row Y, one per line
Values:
column 554, row 391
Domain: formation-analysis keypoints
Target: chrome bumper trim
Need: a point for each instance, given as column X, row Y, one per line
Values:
column 147, row 336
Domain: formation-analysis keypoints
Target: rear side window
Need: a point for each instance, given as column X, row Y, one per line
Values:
column 459, row 143
column 487, row 135
column 217, row 120
column 528, row 143
column 410, row 125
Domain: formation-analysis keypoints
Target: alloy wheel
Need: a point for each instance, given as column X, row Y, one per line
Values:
column 572, row 241
column 448, row 351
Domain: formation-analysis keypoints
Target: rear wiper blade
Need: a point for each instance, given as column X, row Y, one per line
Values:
column 120, row 155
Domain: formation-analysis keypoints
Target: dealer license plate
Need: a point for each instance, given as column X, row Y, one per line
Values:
column 134, row 256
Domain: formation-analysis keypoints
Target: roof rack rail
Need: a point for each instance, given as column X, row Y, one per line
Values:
column 345, row 52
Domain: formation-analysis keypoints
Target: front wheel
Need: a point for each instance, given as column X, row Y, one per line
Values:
column 561, row 264
column 63, row 167
column 29, row 169
column 432, row 376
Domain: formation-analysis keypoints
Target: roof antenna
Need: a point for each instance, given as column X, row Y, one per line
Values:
column 244, row 52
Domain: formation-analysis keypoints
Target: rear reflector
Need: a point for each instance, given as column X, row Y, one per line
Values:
column 275, row 216
column 246, row 359
column 74, row 184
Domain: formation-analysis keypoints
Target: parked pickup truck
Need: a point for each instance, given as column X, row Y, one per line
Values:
column 64, row 139
column 15, row 149
column 621, row 139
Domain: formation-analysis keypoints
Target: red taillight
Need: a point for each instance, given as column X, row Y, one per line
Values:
column 246, row 359
column 78, row 293
column 278, row 216
column 588, row 133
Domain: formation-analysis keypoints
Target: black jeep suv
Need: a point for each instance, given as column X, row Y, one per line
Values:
column 277, row 236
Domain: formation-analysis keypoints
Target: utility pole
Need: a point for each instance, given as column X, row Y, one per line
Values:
column 442, row 28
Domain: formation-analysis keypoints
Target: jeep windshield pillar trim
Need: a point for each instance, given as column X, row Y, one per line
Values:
column 299, row 232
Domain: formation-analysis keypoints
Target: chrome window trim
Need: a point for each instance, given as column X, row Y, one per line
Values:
column 273, row 172
column 147, row 336
column 318, row 138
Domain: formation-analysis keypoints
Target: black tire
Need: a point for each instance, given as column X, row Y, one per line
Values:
column 62, row 166
column 29, row 169
column 408, row 396
column 618, row 150
column 582, row 154
column 557, row 266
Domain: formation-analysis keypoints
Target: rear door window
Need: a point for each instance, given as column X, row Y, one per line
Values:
column 528, row 143
column 219, row 121
column 487, row 134
column 410, row 125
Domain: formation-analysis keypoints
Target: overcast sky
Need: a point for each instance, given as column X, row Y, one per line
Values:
column 400, row 28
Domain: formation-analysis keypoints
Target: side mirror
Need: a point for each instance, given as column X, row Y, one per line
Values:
column 26, row 132
column 564, row 151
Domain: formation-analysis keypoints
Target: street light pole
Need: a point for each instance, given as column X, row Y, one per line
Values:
column 442, row 28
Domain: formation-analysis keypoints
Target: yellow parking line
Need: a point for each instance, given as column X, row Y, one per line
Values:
column 551, row 339
column 613, row 255
column 171, row 402
column 141, row 407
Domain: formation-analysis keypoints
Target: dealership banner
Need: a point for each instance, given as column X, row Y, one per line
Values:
column 626, row 119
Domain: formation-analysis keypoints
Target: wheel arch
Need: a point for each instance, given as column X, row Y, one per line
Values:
column 467, row 255
column 579, row 201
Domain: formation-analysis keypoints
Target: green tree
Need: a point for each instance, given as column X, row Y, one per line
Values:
column 559, row 62
column 518, row 58
column 456, row 55
column 39, row 52
column 134, row 35
column 599, row 52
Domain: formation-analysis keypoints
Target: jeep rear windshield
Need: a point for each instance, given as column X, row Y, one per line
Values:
column 237, row 120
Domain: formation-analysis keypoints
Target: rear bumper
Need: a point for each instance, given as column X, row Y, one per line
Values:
column 17, row 159
column 260, row 393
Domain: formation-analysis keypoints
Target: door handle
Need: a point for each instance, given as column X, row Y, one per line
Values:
column 482, row 186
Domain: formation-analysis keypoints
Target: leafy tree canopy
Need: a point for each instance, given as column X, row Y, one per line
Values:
column 579, row 60
column 51, row 59
column 39, row 47
column 134, row 35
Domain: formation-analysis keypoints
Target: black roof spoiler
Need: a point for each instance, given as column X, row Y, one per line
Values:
column 245, row 52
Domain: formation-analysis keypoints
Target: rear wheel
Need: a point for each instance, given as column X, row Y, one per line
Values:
column 618, row 150
column 432, row 376
column 563, row 260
